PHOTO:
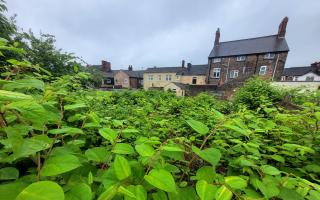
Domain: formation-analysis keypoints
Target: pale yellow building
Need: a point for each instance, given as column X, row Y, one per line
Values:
column 160, row 77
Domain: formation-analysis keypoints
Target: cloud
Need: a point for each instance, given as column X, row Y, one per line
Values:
column 145, row 33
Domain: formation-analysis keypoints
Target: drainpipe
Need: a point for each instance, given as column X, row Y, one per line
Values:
column 275, row 67
column 228, row 69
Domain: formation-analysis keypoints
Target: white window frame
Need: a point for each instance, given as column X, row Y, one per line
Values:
column 159, row 77
column 216, row 60
column 216, row 72
column 234, row 73
column 150, row 77
column 240, row 58
column 263, row 70
column 168, row 77
column 311, row 78
column 269, row 56
column 283, row 78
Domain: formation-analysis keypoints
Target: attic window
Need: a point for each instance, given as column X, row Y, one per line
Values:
column 240, row 58
column 216, row 60
column 269, row 56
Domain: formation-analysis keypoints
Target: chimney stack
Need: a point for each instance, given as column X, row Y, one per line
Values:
column 183, row 63
column 217, row 39
column 283, row 27
column 315, row 67
column 189, row 66
column 105, row 66
column 130, row 68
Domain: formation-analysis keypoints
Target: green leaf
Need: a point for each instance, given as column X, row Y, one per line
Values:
column 9, row 173
column 79, row 191
column 205, row 191
column 159, row 195
column 278, row 158
column 267, row 169
column 145, row 150
column 9, row 191
column 109, row 134
column 161, row 179
column 13, row 96
column 289, row 194
column 210, row 155
column 236, row 182
column 172, row 148
column 139, row 192
column 42, row 190
column 206, row 173
column 75, row 106
column 199, row 127
column 122, row 167
column 126, row 192
column 24, row 83
column 123, row 148
column 313, row 168
column 67, row 130
column 223, row 193
column 97, row 154
column 109, row 193
column 59, row 164
column 313, row 195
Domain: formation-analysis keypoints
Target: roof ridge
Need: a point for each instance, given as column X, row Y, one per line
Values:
column 248, row 38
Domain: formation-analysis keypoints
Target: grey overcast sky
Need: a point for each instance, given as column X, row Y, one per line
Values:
column 146, row 33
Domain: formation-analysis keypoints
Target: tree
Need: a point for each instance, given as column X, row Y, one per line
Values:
column 7, row 26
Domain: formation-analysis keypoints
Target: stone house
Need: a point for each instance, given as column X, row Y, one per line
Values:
column 179, row 89
column 128, row 78
column 235, row 61
column 309, row 73
column 159, row 77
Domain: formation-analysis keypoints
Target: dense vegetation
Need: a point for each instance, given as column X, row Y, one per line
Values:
column 59, row 139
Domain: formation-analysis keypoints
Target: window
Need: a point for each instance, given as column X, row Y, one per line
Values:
column 310, row 78
column 177, row 77
column 263, row 70
column 295, row 78
column 194, row 80
column 216, row 60
column 269, row 56
column 240, row 58
column 150, row 77
column 159, row 77
column 107, row 81
column 216, row 72
column 283, row 78
column 234, row 73
column 168, row 77
column 125, row 80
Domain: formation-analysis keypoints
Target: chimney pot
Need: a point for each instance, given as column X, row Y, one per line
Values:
column 130, row 68
column 189, row 66
column 183, row 63
column 283, row 27
column 217, row 38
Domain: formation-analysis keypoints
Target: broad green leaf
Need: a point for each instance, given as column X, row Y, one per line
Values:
column 313, row 195
column 42, row 190
column 199, row 127
column 139, row 192
column 268, row 189
column 126, row 192
column 313, row 168
column 109, row 134
column 289, row 194
column 9, row 173
column 210, row 155
column 66, row 130
column 223, row 193
column 161, row 179
column 13, row 96
column 267, row 169
column 80, row 191
column 278, row 158
column 24, row 83
column 159, row 195
column 237, row 129
column 236, row 182
column 109, row 193
column 97, row 154
column 9, row 191
column 186, row 193
column 145, row 150
column 121, row 167
column 206, row 173
column 123, row 148
column 75, row 106
column 172, row 148
column 59, row 164
column 205, row 191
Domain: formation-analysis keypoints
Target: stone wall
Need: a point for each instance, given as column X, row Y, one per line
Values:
column 122, row 79
column 201, row 80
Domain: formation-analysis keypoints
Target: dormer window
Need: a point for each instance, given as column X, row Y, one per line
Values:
column 269, row 56
column 240, row 58
column 216, row 60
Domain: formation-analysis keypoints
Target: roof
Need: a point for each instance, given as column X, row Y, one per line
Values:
column 194, row 70
column 296, row 71
column 180, row 85
column 134, row 74
column 266, row 44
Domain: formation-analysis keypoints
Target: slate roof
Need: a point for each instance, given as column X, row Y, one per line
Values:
column 194, row 70
column 296, row 71
column 133, row 74
column 180, row 85
column 266, row 44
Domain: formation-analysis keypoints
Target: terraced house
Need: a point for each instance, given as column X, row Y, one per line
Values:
column 160, row 77
column 234, row 61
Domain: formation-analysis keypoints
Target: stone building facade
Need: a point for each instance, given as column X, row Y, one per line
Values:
column 240, row 59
